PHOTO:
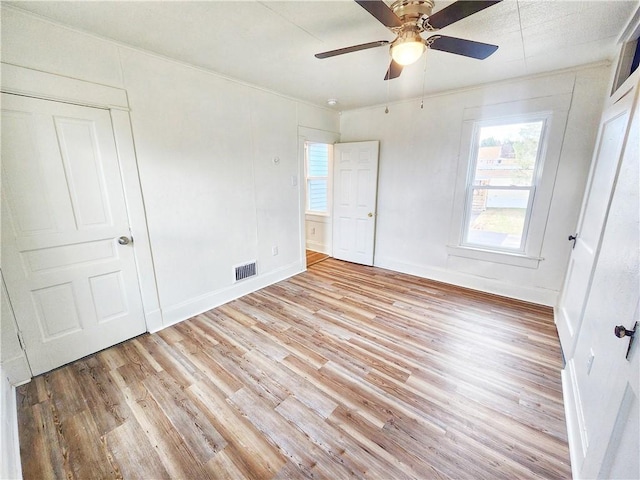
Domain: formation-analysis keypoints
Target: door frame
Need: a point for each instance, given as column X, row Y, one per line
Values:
column 47, row 86
column 307, row 134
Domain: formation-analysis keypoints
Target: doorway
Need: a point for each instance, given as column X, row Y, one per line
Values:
column 339, row 198
column 318, row 192
column 66, row 269
column 315, row 231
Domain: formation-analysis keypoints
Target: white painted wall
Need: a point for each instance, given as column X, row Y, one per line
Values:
column 318, row 229
column 214, row 195
column 205, row 145
column 29, row 41
column 419, row 150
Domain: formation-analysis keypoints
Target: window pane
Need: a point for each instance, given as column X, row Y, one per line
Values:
column 497, row 218
column 507, row 154
column 317, row 195
column 318, row 160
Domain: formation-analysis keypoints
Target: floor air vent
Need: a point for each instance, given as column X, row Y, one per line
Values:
column 245, row 271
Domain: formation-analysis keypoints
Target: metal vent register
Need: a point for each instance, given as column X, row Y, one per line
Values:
column 245, row 271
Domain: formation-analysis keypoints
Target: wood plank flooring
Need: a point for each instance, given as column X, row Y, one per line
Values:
column 344, row 371
column 315, row 257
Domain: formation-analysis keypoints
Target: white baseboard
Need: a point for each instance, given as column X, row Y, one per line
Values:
column 318, row 247
column 178, row 313
column 540, row 296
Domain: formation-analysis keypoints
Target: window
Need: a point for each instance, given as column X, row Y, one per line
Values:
column 534, row 126
column 317, row 176
column 501, row 186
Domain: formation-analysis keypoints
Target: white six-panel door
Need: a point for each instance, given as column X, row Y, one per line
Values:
column 73, row 287
column 355, row 188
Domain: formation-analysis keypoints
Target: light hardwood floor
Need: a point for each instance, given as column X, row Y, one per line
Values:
column 344, row 371
column 315, row 257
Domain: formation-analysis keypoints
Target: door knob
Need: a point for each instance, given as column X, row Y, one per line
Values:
column 621, row 331
column 573, row 238
column 369, row 214
column 125, row 240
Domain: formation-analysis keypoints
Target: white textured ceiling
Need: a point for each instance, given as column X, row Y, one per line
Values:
column 272, row 43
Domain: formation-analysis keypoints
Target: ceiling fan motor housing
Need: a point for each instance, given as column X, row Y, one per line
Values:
column 408, row 19
column 414, row 12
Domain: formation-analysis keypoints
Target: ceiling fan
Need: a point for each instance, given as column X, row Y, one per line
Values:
column 407, row 19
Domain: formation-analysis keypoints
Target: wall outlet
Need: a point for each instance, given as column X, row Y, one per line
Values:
column 274, row 250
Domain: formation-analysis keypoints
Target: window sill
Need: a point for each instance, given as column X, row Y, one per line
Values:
column 317, row 214
column 506, row 258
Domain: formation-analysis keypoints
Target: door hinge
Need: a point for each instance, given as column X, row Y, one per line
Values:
column 23, row 345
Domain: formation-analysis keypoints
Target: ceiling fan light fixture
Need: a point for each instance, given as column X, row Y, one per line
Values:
column 407, row 48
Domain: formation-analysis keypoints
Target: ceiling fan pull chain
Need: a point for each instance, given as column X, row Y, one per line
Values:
column 386, row 108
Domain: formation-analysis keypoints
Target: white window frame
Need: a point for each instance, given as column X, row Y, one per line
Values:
column 470, row 187
column 327, row 178
column 554, row 109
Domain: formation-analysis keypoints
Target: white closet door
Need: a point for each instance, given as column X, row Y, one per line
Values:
column 613, row 128
column 73, row 286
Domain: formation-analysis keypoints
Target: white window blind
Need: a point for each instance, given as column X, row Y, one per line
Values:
column 317, row 176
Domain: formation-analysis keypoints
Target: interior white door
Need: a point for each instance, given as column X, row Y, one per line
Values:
column 570, row 310
column 73, row 287
column 355, row 189
column 604, row 382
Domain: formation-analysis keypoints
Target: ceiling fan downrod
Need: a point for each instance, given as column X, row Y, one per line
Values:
column 414, row 12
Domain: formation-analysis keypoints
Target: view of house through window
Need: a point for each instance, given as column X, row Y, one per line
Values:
column 502, row 183
column 317, row 176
